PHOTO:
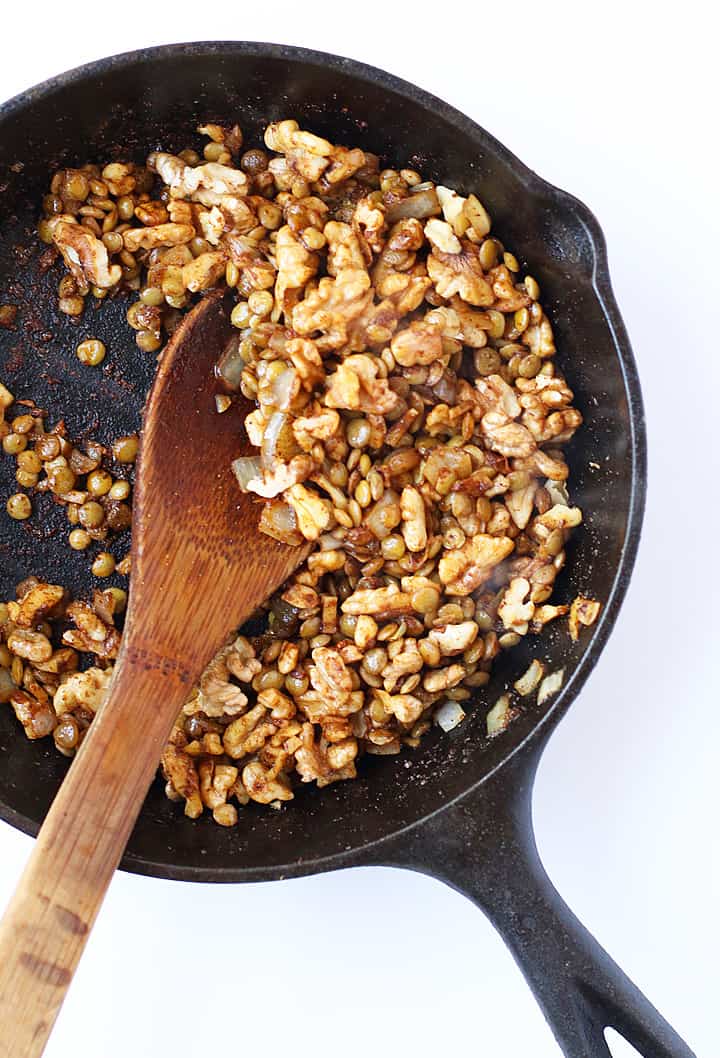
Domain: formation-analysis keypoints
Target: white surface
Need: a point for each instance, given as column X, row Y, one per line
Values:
column 620, row 108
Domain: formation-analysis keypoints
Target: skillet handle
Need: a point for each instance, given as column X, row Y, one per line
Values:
column 485, row 848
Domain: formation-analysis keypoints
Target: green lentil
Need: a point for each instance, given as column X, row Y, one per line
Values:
column 152, row 296
column 125, row 207
column 91, row 352
column 62, row 480
column 79, row 539
column 358, row 433
column 362, row 494
column 98, row 483
column 393, row 547
column 529, row 366
column 26, row 479
column 91, row 515
column 30, row 462
column 119, row 490
column 425, row 600
column 19, row 507
column 104, row 565
column 14, row 444
column 125, row 449
column 148, row 341
column 532, row 287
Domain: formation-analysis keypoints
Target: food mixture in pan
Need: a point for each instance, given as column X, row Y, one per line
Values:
column 409, row 420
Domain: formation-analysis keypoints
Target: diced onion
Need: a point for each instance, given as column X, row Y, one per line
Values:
column 550, row 685
column 499, row 716
column 230, row 365
column 245, row 469
column 420, row 205
column 278, row 520
column 557, row 492
column 283, row 388
column 278, row 443
column 449, row 715
column 329, row 542
column 530, row 679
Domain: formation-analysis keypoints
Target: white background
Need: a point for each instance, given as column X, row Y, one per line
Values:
column 617, row 103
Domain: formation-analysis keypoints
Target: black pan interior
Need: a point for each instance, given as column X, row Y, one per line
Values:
column 123, row 108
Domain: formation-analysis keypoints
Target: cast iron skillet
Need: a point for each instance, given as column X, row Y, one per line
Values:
column 461, row 810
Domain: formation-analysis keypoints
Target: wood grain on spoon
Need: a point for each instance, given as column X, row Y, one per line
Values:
column 200, row 567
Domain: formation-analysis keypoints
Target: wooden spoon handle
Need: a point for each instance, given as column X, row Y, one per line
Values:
column 48, row 921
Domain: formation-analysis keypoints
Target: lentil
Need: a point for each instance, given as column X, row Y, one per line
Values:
column 98, row 483
column 103, row 565
column 19, row 507
column 125, row 450
column 79, row 539
column 91, row 352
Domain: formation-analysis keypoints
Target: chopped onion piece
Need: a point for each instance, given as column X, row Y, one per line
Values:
column 222, row 402
column 529, row 680
column 329, row 542
column 278, row 520
column 420, row 205
column 550, row 685
column 245, row 469
column 230, row 365
column 499, row 716
column 449, row 715
column 284, row 388
column 278, row 443
column 557, row 492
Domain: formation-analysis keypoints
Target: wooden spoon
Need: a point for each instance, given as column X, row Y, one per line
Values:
column 199, row 568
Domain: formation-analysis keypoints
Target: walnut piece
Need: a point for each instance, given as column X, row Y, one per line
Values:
column 331, row 678
column 181, row 773
column 218, row 696
column 36, row 717
column 312, row 512
column 322, row 763
column 31, row 646
column 204, row 271
column 248, row 733
column 296, row 266
column 356, row 386
column 419, row 343
column 386, row 601
column 39, row 603
column 467, row 568
column 454, row 639
column 331, row 307
column 283, row 476
column 85, row 256
column 309, row 429
column 91, row 634
column 263, row 786
column 83, row 690
column 513, row 611
column 461, row 273
column 582, row 612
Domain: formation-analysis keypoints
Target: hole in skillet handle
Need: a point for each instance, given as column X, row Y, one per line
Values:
column 484, row 847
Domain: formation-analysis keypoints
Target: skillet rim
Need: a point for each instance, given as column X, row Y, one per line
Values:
column 602, row 289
